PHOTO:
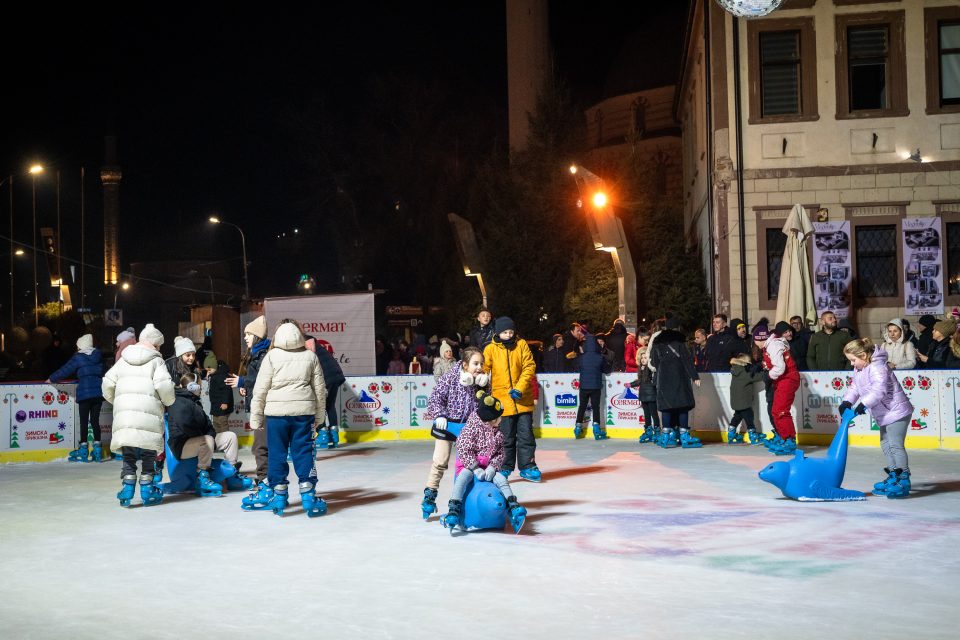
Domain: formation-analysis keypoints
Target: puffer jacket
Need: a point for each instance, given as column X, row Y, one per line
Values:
column 877, row 388
column 138, row 387
column 901, row 354
column 290, row 381
column 510, row 367
column 451, row 399
column 479, row 445
column 592, row 365
column 186, row 419
column 87, row 366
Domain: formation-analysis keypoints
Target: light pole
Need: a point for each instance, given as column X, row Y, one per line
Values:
column 243, row 241
column 124, row 286
column 34, row 171
column 15, row 252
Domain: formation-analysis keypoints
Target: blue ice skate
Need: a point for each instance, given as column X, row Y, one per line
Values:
column 518, row 514
column 688, row 441
column 126, row 493
column 881, row 488
column 239, row 482
column 150, row 493
column 647, row 435
column 79, row 454
column 733, row 437
column 429, row 505
column 206, row 487
column 334, row 438
column 323, row 438
column 531, row 473
column 259, row 499
column 667, row 439
column 756, row 437
column 901, row 488
column 787, row 447
column 279, row 500
column 312, row 504
column 97, row 453
column 775, row 442
column 599, row 433
column 577, row 431
column 452, row 518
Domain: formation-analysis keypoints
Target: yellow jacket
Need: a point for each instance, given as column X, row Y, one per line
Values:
column 510, row 369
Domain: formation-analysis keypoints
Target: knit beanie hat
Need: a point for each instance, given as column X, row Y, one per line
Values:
column 760, row 332
column 503, row 323
column 84, row 342
column 488, row 407
column 127, row 334
column 946, row 327
column 927, row 321
column 258, row 327
column 781, row 328
column 183, row 345
column 445, row 348
column 736, row 323
column 152, row 335
column 672, row 323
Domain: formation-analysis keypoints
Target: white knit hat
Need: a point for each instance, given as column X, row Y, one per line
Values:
column 127, row 334
column 152, row 335
column 84, row 342
column 445, row 348
column 183, row 345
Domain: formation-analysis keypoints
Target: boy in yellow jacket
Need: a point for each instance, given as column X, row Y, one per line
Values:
column 510, row 364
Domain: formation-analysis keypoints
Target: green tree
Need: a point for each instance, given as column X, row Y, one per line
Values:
column 591, row 294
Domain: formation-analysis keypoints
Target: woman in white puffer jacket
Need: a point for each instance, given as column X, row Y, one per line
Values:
column 139, row 388
column 289, row 398
column 901, row 353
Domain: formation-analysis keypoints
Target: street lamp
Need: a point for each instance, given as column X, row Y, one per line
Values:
column 243, row 241
column 125, row 286
column 35, row 170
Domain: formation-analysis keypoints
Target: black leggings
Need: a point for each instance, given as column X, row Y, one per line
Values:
column 89, row 412
column 593, row 395
column 651, row 418
column 332, row 408
column 743, row 415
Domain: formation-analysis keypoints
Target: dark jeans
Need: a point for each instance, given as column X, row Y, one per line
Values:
column 675, row 418
column 293, row 433
column 259, row 449
column 650, row 416
column 147, row 458
column 519, row 445
column 593, row 395
column 744, row 415
column 331, row 407
column 89, row 413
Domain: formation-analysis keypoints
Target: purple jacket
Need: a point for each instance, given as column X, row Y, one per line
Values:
column 450, row 399
column 877, row 388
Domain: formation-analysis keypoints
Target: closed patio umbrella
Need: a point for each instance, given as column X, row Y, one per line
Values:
column 795, row 295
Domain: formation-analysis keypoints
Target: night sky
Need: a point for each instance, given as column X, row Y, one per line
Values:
column 204, row 102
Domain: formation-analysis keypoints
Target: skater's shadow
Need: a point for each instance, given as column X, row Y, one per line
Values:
column 543, row 504
column 933, row 488
column 530, row 524
column 327, row 454
column 558, row 474
column 348, row 498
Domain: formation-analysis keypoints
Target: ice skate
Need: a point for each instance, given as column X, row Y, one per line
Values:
column 599, row 433
column 756, row 437
column 312, row 504
column 126, row 493
column 578, row 431
column 531, row 473
column 79, row 454
column 150, row 493
column 733, row 437
column 517, row 514
column 452, row 519
column 787, row 447
column 647, row 435
column 667, row 439
column 239, row 482
column 429, row 504
column 688, row 441
column 279, row 500
column 881, row 488
column 323, row 438
column 901, row 488
column 258, row 499
column 97, row 453
column 206, row 487
column 334, row 438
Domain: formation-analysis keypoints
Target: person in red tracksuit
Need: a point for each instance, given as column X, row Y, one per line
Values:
column 785, row 378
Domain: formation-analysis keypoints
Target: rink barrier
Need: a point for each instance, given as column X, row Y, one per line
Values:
column 37, row 419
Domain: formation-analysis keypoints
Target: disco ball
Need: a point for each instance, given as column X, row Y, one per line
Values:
column 749, row 8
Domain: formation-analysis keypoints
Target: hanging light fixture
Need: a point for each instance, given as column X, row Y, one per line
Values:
column 750, row 8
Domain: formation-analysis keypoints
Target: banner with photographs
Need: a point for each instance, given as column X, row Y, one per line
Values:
column 922, row 266
column 833, row 273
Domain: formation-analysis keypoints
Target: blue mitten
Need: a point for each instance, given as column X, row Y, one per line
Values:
column 515, row 394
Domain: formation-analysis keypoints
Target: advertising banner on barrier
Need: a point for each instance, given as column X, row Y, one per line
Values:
column 833, row 275
column 948, row 419
column 372, row 403
column 37, row 417
column 559, row 396
column 343, row 324
column 922, row 266
column 622, row 405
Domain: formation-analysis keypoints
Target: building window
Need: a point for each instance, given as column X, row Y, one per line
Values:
column 776, row 243
column 942, row 27
column 782, row 69
column 876, row 247
column 953, row 258
column 871, row 65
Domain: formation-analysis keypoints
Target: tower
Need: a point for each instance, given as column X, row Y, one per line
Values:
column 528, row 62
column 110, row 178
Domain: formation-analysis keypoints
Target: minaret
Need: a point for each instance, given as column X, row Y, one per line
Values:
column 110, row 177
column 528, row 64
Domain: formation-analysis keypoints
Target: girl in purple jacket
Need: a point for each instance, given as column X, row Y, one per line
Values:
column 480, row 457
column 453, row 399
column 875, row 388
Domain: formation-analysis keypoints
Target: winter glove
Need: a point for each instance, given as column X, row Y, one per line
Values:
column 860, row 410
column 515, row 394
column 478, row 474
column 489, row 473
column 440, row 423
column 481, row 379
column 635, row 383
column 843, row 408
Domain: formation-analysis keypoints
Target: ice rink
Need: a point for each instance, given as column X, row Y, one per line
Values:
column 622, row 541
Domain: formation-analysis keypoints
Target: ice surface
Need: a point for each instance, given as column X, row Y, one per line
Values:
column 622, row 541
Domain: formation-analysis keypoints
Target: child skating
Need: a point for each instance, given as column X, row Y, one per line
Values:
column 785, row 380
column 744, row 375
column 453, row 399
column 876, row 389
column 480, row 454
column 646, row 387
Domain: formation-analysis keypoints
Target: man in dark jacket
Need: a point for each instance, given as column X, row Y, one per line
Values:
column 939, row 354
column 800, row 342
column 570, row 350
column 616, row 340
column 722, row 345
column 221, row 398
column 926, row 334
column 825, row 350
column 592, row 367
column 482, row 334
column 553, row 360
